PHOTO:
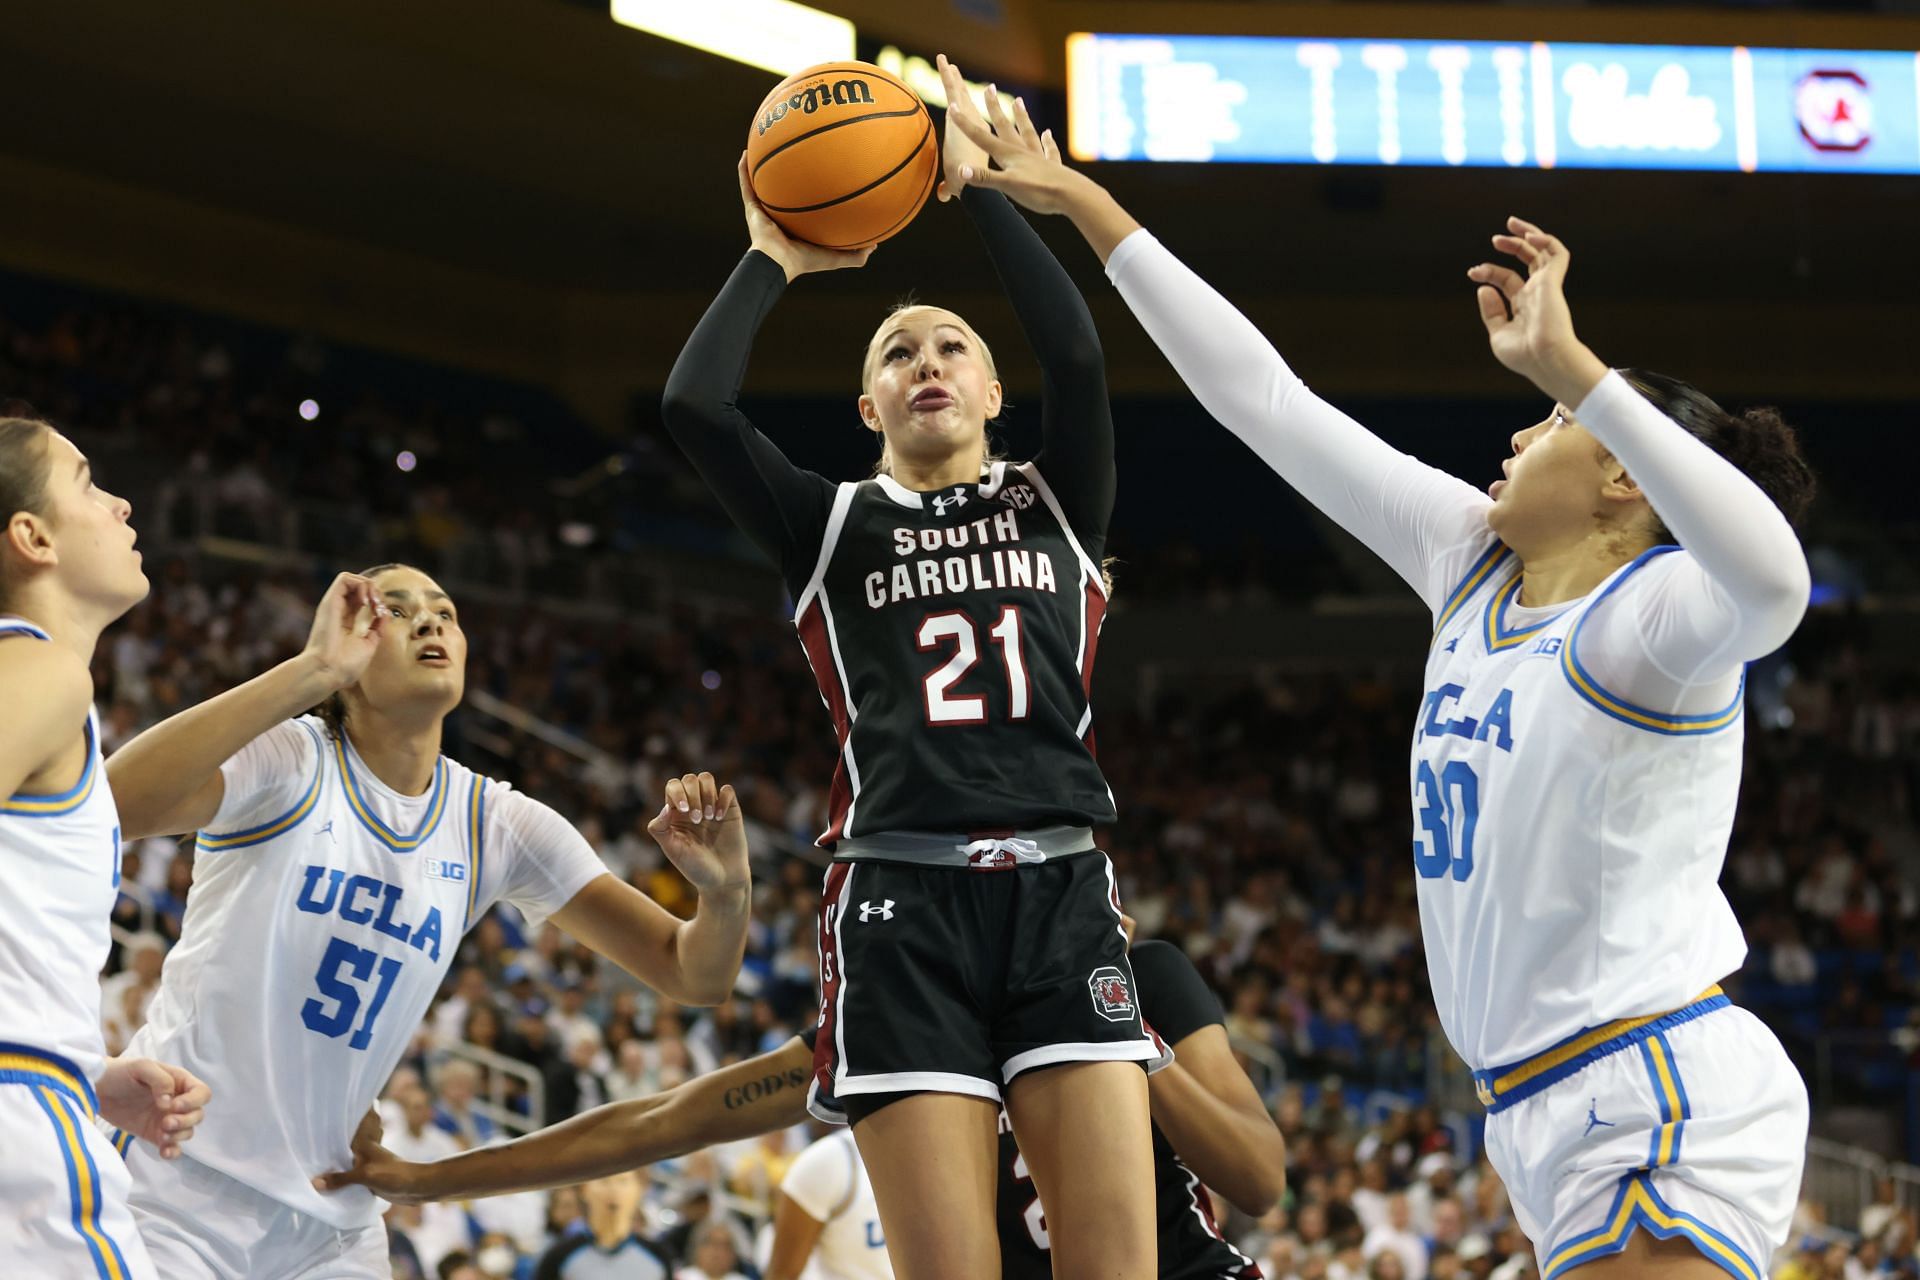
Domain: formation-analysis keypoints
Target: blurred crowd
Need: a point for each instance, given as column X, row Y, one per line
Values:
column 1264, row 831
column 1263, row 827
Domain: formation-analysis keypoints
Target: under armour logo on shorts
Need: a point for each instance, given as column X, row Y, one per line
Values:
column 884, row 910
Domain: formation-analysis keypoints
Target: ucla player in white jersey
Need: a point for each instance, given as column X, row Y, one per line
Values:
column 67, row 571
column 826, row 1225
column 340, row 857
column 1576, row 757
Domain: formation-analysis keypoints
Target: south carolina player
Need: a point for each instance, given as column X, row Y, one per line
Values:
column 1209, row 1130
column 1577, row 754
column 340, row 857
column 67, row 571
column 950, row 607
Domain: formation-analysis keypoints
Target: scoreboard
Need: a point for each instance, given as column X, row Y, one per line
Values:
column 1503, row 104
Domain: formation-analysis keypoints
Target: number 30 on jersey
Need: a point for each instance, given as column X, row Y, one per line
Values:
column 1447, row 809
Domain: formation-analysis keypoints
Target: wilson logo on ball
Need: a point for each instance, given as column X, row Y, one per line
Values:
column 809, row 100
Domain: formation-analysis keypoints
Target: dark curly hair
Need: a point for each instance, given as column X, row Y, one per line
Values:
column 1759, row 442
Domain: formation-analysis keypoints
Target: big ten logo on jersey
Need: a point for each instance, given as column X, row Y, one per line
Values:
column 928, row 566
column 445, row 869
column 353, row 982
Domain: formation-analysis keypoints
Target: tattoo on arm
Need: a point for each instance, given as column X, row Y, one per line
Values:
column 745, row 1095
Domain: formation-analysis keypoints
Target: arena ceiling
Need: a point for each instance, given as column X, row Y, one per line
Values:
column 557, row 172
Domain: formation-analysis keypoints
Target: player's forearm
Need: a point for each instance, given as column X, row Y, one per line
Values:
column 708, row 949
column 594, row 1144
column 1736, row 534
column 1238, row 1154
column 156, row 773
column 1098, row 217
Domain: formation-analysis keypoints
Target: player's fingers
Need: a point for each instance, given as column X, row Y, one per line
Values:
column 728, row 803
column 1495, row 311
column 690, row 787
column 997, row 115
column 1515, row 247
column 1024, row 123
column 709, row 794
column 991, row 179
column 1505, row 279
column 335, row 1181
column 975, row 130
column 662, row 823
column 746, row 186
column 1050, row 147
column 676, row 797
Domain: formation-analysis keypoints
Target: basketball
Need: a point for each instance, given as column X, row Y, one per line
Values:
column 842, row 155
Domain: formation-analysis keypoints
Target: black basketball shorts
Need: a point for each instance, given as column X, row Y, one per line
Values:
column 948, row 980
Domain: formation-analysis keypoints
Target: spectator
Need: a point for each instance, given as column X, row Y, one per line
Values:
column 610, row 1248
column 715, row 1255
column 417, row 1137
column 457, row 1081
column 1395, row 1236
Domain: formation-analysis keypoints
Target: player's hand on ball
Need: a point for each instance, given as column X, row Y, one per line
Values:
column 702, row 831
column 347, row 628
column 1031, row 172
column 153, row 1101
column 1529, row 325
column 796, row 257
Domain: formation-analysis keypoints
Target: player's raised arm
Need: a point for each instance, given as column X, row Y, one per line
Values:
column 1748, row 585
column 702, row 832
column 780, row 506
column 1409, row 514
column 168, row 780
column 1076, row 418
column 741, row 1101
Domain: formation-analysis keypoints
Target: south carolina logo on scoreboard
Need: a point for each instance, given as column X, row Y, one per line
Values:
column 1834, row 111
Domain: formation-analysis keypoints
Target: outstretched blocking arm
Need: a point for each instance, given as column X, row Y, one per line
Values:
column 1421, row 521
column 741, row 1101
column 1743, row 586
column 168, row 780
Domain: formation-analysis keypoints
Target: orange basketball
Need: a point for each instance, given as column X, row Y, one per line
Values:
column 842, row 155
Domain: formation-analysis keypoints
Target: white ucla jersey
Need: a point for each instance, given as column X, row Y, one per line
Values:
column 830, row 1182
column 1568, row 843
column 316, row 934
column 60, row 865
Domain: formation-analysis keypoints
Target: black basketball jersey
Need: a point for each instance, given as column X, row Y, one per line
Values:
column 1191, row 1246
column 953, row 637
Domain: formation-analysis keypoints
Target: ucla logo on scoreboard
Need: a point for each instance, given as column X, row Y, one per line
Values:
column 445, row 869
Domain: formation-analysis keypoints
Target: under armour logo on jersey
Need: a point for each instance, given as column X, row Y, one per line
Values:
column 958, row 499
column 884, row 910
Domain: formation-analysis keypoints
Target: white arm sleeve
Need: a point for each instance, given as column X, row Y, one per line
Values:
column 1678, row 635
column 533, row 857
column 820, row 1179
column 1427, row 525
column 265, row 779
